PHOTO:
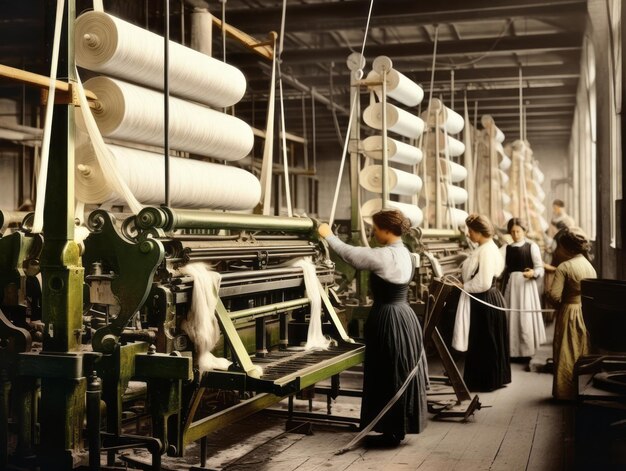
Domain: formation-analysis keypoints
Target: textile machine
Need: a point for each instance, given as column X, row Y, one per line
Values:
column 139, row 298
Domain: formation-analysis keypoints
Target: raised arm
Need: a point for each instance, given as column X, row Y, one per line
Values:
column 362, row 258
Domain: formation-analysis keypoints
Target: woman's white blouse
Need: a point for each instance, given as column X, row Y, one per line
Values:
column 391, row 262
column 486, row 262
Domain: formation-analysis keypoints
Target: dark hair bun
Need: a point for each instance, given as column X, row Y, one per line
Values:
column 393, row 221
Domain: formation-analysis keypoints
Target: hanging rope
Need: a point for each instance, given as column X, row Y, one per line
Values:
column 352, row 111
column 282, row 114
column 268, row 146
column 432, row 71
column 343, row 161
column 47, row 130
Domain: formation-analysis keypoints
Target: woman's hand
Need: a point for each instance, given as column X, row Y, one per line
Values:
column 528, row 273
column 324, row 230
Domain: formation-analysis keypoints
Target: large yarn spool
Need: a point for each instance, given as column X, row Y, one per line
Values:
column 399, row 87
column 505, row 162
column 452, row 120
column 456, row 194
column 489, row 124
column 456, row 172
column 454, row 147
column 455, row 217
column 410, row 211
column 399, row 182
column 506, row 199
column 115, row 47
column 504, row 178
column 538, row 174
column 132, row 113
column 397, row 151
column 541, row 195
column 507, row 215
column 193, row 183
column 398, row 120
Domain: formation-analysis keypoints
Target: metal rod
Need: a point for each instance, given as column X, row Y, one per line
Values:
column 171, row 219
column 166, row 97
column 385, row 172
column 94, row 393
column 270, row 308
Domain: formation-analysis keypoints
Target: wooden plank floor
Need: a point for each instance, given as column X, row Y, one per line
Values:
column 518, row 428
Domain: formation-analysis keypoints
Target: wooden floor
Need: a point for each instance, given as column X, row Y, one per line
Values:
column 518, row 428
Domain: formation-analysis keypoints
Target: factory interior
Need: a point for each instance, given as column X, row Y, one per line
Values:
column 151, row 322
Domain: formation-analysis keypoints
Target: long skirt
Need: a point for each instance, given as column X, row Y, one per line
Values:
column 487, row 363
column 526, row 329
column 570, row 342
column 393, row 347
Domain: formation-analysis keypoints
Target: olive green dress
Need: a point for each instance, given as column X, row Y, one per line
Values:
column 570, row 334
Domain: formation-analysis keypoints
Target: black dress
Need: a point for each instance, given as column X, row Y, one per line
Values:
column 393, row 346
column 487, row 363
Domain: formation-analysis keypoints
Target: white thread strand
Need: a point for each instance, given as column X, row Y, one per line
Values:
column 109, row 171
column 343, row 160
column 47, row 130
column 455, row 282
column 201, row 324
column 315, row 338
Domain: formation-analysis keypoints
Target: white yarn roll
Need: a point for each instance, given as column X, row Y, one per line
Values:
column 132, row 113
column 538, row 174
column 410, row 211
column 506, row 199
column 456, row 217
column 398, row 120
column 399, row 182
column 454, row 121
column 113, row 46
column 541, row 195
column 397, row 151
column 499, row 135
column 193, row 183
column 504, row 178
column 543, row 223
column 488, row 123
column 507, row 215
column 456, row 194
column 455, row 147
column 399, row 87
column 538, row 205
column 505, row 163
column 457, row 172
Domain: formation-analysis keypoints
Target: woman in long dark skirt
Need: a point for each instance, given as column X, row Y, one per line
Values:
column 479, row 329
column 393, row 335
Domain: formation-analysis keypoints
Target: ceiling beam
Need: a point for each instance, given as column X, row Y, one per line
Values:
column 461, row 76
column 329, row 16
column 536, row 43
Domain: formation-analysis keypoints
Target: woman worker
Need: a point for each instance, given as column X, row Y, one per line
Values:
column 393, row 335
column 481, row 328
